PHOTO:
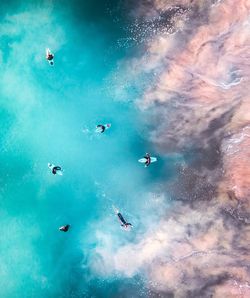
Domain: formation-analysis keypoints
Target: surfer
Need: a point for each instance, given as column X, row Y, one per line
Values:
column 124, row 224
column 49, row 57
column 54, row 169
column 64, row 228
column 101, row 128
column 148, row 159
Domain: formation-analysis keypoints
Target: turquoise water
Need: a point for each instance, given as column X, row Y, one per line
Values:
column 48, row 114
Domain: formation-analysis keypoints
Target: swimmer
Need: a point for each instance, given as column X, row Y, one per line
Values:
column 64, row 228
column 148, row 159
column 124, row 224
column 55, row 169
column 101, row 128
column 49, row 57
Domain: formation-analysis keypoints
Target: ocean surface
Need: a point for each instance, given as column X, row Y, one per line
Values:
column 172, row 77
column 49, row 114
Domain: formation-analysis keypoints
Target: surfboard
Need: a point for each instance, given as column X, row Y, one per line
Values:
column 143, row 160
column 99, row 129
column 58, row 172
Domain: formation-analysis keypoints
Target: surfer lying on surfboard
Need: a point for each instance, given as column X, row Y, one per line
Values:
column 64, row 228
column 55, row 169
column 49, row 57
column 124, row 224
column 147, row 160
column 101, row 128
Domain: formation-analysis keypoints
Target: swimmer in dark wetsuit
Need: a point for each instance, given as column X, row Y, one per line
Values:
column 148, row 159
column 50, row 57
column 102, row 128
column 55, row 169
column 123, row 222
column 64, row 228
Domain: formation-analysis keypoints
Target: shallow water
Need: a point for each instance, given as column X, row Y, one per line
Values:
column 48, row 114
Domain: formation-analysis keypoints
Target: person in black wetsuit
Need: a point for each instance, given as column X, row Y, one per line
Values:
column 102, row 128
column 64, row 228
column 123, row 222
column 55, row 169
column 50, row 58
column 148, row 159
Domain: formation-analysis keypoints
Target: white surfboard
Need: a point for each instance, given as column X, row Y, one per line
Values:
column 99, row 129
column 58, row 172
column 143, row 160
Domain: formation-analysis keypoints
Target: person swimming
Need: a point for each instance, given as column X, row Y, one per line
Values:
column 124, row 224
column 64, row 228
column 55, row 169
column 49, row 57
column 102, row 127
column 148, row 159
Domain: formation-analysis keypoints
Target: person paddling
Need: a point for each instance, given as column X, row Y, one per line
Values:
column 124, row 224
column 49, row 57
column 148, row 159
column 102, row 127
column 55, row 169
column 64, row 228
